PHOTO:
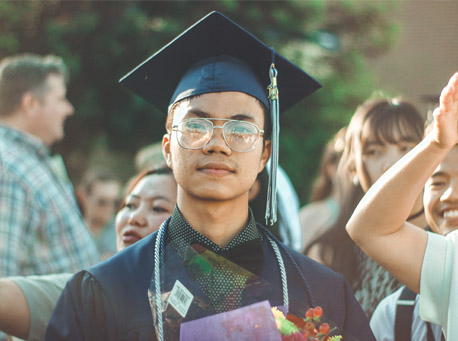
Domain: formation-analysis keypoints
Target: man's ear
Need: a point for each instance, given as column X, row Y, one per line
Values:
column 166, row 150
column 266, row 151
column 29, row 103
column 81, row 198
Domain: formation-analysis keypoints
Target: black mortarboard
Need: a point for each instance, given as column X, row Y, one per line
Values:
column 215, row 55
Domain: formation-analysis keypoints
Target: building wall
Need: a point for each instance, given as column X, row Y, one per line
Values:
column 426, row 54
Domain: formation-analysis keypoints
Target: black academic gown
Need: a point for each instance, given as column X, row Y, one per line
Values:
column 110, row 300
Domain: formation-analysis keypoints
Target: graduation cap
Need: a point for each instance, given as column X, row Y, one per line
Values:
column 216, row 55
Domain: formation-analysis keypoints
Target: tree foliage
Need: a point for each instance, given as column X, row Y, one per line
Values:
column 101, row 41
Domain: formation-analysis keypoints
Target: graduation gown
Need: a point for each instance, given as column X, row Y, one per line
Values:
column 110, row 300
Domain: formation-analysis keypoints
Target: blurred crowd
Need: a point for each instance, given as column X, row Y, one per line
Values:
column 50, row 228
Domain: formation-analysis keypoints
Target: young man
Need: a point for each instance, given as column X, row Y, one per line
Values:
column 211, row 250
column 425, row 262
column 41, row 230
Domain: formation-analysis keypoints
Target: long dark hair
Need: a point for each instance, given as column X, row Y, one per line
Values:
column 384, row 117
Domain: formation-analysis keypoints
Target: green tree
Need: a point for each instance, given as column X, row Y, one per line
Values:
column 101, row 41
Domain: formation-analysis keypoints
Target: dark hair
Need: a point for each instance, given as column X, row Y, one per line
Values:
column 384, row 118
column 134, row 182
column 26, row 73
column 323, row 184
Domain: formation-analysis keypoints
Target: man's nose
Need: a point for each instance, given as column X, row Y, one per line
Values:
column 71, row 108
column 217, row 143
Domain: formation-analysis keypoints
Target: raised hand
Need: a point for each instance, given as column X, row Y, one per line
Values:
column 445, row 127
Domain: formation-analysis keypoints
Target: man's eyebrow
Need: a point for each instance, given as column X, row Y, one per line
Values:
column 239, row 117
column 198, row 113
column 242, row 117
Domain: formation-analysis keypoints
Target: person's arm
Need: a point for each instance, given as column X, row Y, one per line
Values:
column 378, row 224
column 14, row 310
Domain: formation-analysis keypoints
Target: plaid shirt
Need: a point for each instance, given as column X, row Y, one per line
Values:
column 41, row 228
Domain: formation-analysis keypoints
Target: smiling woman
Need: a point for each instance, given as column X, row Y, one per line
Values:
column 26, row 303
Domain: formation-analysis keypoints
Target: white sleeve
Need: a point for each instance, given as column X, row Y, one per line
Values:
column 438, row 279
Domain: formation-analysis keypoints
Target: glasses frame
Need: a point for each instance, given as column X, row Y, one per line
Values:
column 260, row 132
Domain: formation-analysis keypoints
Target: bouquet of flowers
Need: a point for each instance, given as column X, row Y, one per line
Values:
column 304, row 329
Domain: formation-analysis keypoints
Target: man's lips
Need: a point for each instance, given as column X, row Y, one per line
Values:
column 216, row 168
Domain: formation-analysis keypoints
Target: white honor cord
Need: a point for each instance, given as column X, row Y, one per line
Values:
column 157, row 280
column 281, row 265
column 157, row 277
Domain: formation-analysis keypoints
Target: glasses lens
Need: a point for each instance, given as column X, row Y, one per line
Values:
column 194, row 133
column 241, row 136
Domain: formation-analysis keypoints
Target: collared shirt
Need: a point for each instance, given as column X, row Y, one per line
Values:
column 225, row 281
column 41, row 228
column 181, row 234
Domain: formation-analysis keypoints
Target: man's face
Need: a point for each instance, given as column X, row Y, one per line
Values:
column 441, row 195
column 101, row 203
column 52, row 110
column 215, row 172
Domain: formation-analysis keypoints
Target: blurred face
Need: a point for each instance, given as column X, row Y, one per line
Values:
column 101, row 203
column 151, row 202
column 441, row 195
column 376, row 157
column 215, row 172
column 52, row 110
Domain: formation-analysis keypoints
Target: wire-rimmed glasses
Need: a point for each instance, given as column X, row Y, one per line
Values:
column 195, row 133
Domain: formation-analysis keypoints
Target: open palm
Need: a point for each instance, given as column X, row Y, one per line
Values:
column 445, row 131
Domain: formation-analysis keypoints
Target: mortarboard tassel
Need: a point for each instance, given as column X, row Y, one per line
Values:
column 271, row 207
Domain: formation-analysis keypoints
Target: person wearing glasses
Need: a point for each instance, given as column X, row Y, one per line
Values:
column 210, row 256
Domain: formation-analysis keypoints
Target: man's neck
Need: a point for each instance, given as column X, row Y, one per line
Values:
column 19, row 122
column 219, row 221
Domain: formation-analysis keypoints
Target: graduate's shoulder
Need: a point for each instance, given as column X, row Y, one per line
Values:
column 134, row 263
column 315, row 269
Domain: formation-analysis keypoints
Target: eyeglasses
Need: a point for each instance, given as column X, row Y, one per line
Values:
column 195, row 133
